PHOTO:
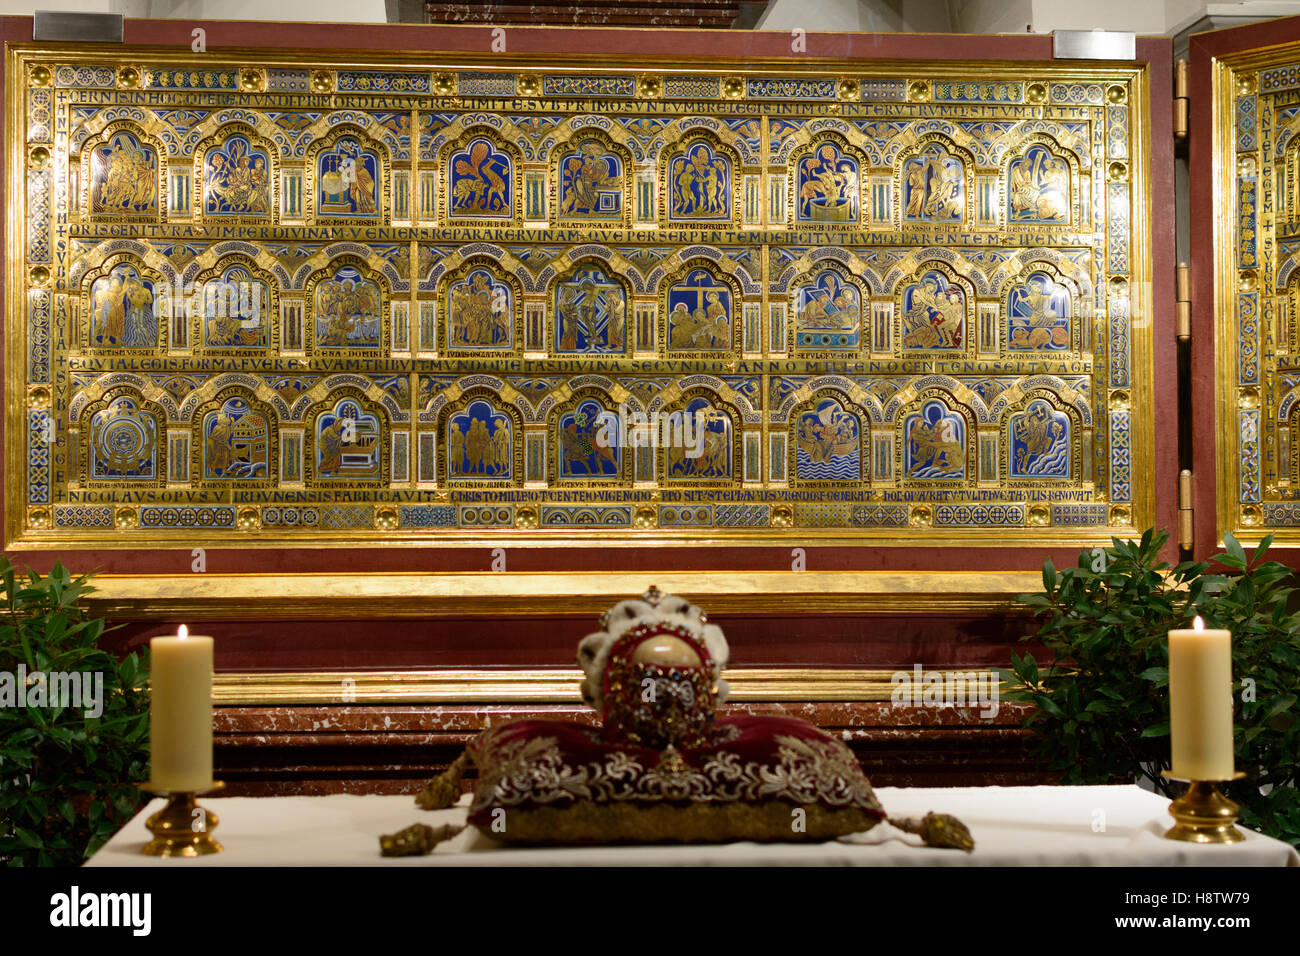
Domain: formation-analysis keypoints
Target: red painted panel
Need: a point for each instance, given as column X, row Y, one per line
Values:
column 851, row 641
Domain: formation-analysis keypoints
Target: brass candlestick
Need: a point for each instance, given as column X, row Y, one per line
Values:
column 1204, row 814
column 182, row 827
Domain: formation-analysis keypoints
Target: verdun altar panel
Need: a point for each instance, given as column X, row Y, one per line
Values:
column 1255, row 97
column 356, row 299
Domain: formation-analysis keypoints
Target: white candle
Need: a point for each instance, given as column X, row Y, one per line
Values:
column 1200, row 703
column 180, row 712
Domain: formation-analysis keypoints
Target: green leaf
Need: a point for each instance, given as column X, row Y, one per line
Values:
column 1029, row 668
column 1281, row 705
column 1157, row 730
column 1234, row 549
column 1232, row 560
column 1049, row 705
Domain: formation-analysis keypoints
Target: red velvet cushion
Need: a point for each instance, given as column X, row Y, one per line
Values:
column 531, row 764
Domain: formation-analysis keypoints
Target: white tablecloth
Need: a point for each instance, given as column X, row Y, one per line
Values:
column 1012, row 826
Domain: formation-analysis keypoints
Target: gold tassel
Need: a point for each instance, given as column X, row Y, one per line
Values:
column 938, row 830
column 443, row 790
column 416, row 840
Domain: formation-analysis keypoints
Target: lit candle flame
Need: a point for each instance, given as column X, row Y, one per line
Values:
column 184, row 631
column 1198, row 624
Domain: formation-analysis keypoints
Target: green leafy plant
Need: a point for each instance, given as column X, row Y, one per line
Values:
column 1102, row 713
column 66, row 775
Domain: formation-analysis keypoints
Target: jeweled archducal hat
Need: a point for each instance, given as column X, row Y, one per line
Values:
column 663, row 766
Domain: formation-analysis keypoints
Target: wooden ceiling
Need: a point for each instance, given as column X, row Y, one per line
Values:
column 707, row 14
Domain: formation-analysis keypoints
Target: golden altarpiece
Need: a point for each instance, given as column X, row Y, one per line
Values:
column 1246, row 193
column 908, row 305
column 349, row 300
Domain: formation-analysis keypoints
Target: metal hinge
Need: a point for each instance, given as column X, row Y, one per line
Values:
column 1183, row 300
column 1182, row 107
column 1185, row 510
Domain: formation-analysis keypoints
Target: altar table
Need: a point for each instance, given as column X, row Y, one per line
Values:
column 1012, row 826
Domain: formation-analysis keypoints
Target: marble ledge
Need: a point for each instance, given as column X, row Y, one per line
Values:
column 376, row 721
